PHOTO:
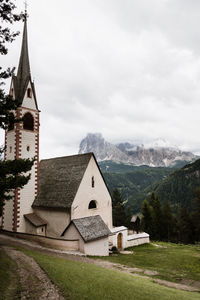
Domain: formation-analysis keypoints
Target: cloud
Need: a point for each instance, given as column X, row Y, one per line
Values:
column 128, row 69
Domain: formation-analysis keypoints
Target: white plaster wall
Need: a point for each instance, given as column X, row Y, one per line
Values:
column 8, row 208
column 41, row 230
column 57, row 221
column 28, row 139
column 72, row 233
column 86, row 193
column 29, row 102
column 113, row 238
column 8, row 215
column 137, row 242
column 10, row 143
column 27, row 193
column 30, row 228
column 98, row 247
column 58, row 244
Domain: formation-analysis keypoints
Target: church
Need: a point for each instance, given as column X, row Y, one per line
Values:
column 66, row 204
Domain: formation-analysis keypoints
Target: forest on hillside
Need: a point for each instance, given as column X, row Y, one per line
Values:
column 177, row 186
column 167, row 200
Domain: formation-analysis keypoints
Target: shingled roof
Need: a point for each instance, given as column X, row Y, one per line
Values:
column 35, row 220
column 90, row 228
column 60, row 179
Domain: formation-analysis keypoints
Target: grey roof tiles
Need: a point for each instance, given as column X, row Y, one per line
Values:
column 91, row 228
column 59, row 180
column 35, row 220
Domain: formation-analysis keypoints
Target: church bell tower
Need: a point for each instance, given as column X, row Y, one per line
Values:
column 22, row 140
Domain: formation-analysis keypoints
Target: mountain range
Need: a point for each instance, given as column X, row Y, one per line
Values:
column 138, row 155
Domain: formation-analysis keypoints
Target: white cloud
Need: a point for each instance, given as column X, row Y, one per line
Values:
column 129, row 69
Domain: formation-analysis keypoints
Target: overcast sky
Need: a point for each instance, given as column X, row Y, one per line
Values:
column 129, row 69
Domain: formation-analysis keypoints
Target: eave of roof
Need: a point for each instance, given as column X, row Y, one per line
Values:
column 35, row 220
column 90, row 228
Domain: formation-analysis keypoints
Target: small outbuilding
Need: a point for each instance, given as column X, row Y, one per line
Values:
column 92, row 234
column 35, row 224
column 135, row 220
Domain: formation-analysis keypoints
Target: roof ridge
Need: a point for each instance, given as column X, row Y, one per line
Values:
column 67, row 156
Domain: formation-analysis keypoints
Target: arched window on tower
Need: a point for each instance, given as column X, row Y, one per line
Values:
column 11, row 122
column 29, row 93
column 92, row 204
column 28, row 121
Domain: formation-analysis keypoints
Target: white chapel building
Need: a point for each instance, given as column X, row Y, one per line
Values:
column 66, row 204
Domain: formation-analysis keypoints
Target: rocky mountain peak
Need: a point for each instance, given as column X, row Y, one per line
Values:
column 158, row 156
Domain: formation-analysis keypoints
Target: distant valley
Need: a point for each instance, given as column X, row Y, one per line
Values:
column 137, row 171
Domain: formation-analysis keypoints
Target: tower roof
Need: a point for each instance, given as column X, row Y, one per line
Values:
column 24, row 65
column 23, row 73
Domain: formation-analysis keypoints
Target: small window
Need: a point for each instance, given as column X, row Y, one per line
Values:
column 42, row 229
column 29, row 93
column 28, row 121
column 92, row 204
column 10, row 149
column 28, row 148
column 92, row 181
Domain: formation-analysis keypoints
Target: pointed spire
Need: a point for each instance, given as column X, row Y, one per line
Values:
column 23, row 77
column 24, row 66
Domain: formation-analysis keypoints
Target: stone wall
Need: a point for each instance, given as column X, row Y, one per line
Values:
column 137, row 239
column 59, row 244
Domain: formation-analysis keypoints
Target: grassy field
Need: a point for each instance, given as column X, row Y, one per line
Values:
column 9, row 281
column 173, row 262
column 84, row 281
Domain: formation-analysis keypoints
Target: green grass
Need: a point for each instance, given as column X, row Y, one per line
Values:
column 82, row 281
column 9, row 281
column 173, row 262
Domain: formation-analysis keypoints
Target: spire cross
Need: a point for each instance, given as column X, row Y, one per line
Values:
column 26, row 5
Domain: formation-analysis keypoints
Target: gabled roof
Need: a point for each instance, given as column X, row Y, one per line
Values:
column 35, row 220
column 90, row 228
column 59, row 180
column 134, row 218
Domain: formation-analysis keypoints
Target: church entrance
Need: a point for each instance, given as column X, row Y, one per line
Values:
column 119, row 241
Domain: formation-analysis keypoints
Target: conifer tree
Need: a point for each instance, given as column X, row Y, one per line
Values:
column 118, row 209
column 196, row 215
column 157, row 218
column 170, row 230
column 186, row 227
column 147, row 222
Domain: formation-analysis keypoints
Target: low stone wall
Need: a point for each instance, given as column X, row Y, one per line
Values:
column 137, row 239
column 59, row 244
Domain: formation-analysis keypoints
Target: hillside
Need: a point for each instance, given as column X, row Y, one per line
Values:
column 177, row 188
column 77, row 277
column 131, row 180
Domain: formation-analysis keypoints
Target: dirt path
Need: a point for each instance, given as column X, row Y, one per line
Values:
column 10, row 241
column 34, row 282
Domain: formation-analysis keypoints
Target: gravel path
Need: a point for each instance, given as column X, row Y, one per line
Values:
column 34, row 282
column 10, row 241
